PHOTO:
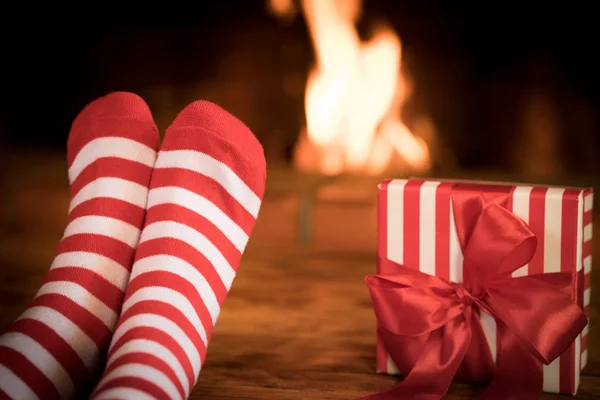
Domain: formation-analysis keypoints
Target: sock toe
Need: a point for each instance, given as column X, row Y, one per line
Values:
column 123, row 111
column 121, row 105
column 213, row 118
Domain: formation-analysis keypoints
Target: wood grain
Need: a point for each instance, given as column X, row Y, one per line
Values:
column 303, row 328
column 296, row 325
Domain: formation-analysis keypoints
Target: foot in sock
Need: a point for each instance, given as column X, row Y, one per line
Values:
column 205, row 194
column 55, row 347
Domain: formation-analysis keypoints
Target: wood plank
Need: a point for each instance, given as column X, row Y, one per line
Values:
column 298, row 322
column 290, row 329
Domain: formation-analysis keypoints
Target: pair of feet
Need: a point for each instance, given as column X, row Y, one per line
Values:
column 150, row 251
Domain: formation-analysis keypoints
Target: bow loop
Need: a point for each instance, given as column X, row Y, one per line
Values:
column 500, row 244
column 547, row 328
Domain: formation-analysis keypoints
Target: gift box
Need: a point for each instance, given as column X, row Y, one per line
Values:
column 417, row 230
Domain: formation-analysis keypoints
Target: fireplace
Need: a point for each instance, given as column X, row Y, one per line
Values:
column 340, row 93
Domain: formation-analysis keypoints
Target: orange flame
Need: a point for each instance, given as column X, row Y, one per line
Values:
column 354, row 95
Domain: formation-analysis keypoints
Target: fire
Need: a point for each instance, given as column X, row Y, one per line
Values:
column 354, row 95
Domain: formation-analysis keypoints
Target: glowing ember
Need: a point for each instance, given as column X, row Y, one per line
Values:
column 354, row 95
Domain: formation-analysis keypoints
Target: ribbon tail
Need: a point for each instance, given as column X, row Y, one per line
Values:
column 405, row 350
column 430, row 377
column 478, row 365
column 519, row 376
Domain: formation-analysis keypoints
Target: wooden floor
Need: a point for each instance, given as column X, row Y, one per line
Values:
column 297, row 324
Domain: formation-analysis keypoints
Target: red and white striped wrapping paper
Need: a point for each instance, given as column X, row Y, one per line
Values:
column 416, row 228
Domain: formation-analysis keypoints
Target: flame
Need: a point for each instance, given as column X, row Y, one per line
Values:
column 283, row 9
column 354, row 94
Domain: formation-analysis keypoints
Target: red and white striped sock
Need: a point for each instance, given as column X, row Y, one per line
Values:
column 205, row 194
column 55, row 347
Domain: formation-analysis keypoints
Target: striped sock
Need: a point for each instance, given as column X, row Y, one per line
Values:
column 55, row 347
column 206, row 191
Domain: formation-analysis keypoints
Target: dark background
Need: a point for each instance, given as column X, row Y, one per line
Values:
column 476, row 67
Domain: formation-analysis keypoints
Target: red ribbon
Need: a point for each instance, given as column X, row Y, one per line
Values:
column 431, row 328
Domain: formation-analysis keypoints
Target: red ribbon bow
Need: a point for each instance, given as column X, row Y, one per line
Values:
column 431, row 327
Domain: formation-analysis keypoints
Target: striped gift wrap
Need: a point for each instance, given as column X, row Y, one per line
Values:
column 416, row 228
